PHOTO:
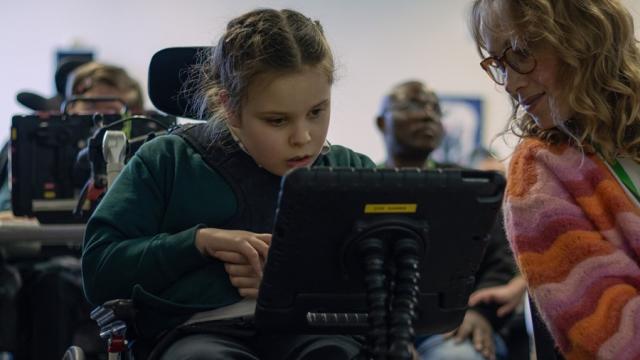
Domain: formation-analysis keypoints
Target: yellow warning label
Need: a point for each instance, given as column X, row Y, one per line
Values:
column 390, row 208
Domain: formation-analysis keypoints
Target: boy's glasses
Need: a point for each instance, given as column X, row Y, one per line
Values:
column 520, row 60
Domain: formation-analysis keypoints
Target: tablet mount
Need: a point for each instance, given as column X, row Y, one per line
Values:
column 390, row 251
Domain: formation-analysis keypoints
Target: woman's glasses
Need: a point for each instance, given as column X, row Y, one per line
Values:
column 520, row 60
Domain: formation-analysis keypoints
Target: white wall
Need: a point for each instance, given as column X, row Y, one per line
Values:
column 377, row 44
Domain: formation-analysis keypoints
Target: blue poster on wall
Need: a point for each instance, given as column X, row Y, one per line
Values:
column 462, row 119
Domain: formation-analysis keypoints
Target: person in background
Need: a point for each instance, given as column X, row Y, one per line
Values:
column 100, row 88
column 53, row 312
column 96, row 83
column 410, row 123
column 572, row 69
column 508, row 298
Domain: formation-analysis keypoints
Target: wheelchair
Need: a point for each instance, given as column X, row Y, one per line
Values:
column 117, row 318
column 114, row 318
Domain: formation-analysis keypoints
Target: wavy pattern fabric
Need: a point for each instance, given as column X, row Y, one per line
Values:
column 576, row 237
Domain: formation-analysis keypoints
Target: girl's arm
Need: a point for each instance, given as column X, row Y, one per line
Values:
column 124, row 242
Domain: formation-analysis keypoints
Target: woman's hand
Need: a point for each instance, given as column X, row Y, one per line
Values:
column 508, row 296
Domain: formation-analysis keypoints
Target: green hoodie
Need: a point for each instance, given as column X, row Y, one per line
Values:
column 139, row 243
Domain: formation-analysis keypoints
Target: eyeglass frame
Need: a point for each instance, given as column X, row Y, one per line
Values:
column 502, row 60
column 415, row 106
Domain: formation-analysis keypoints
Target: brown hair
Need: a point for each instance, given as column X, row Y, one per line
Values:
column 595, row 43
column 260, row 41
column 91, row 73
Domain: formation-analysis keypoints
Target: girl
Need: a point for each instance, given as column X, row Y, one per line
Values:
column 183, row 231
column 572, row 69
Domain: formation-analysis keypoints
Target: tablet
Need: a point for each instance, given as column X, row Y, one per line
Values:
column 314, row 280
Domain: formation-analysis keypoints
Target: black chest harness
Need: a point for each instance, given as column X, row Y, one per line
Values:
column 255, row 188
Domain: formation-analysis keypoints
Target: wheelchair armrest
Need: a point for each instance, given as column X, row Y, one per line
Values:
column 114, row 317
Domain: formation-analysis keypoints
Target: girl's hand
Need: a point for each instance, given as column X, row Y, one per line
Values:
column 241, row 274
column 235, row 247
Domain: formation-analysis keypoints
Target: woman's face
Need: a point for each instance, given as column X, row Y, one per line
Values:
column 284, row 119
column 538, row 92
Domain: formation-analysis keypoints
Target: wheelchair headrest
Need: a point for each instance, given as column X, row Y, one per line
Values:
column 168, row 71
column 38, row 102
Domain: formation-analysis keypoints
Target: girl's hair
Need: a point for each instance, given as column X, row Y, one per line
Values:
column 600, row 66
column 258, row 42
column 83, row 78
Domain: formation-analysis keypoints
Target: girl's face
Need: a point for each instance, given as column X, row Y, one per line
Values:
column 284, row 119
column 538, row 92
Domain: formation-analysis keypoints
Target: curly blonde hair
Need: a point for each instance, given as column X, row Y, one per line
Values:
column 600, row 62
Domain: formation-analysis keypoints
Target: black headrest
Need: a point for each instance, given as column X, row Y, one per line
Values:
column 37, row 102
column 168, row 71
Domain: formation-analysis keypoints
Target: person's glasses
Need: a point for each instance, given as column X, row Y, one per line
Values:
column 416, row 107
column 520, row 60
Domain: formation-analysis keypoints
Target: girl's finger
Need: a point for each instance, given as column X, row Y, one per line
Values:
column 241, row 282
column 266, row 238
column 239, row 270
column 231, row 257
column 249, row 293
column 251, row 256
column 260, row 246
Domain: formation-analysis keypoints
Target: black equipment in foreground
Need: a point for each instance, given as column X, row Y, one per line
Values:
column 381, row 252
column 46, row 172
